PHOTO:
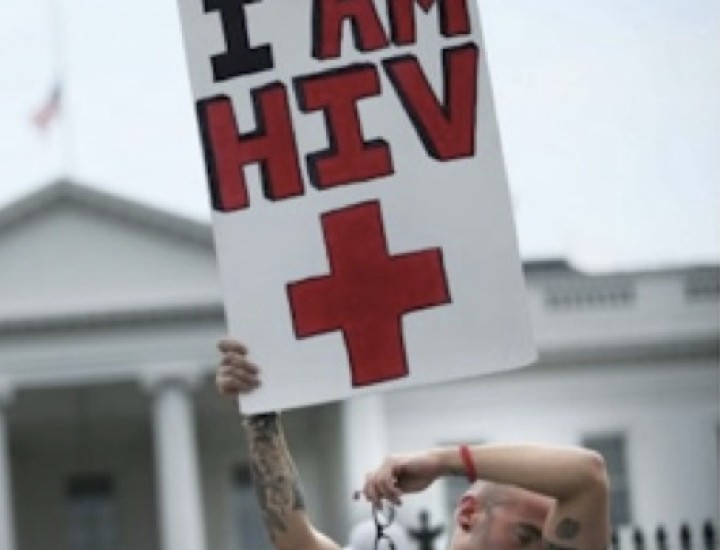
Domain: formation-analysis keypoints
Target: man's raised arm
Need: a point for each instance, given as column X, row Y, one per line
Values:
column 275, row 477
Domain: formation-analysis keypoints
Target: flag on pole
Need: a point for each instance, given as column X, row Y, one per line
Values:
column 48, row 111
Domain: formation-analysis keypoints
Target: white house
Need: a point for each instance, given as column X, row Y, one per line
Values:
column 112, row 437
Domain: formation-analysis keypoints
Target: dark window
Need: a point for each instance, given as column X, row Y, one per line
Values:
column 91, row 508
column 613, row 449
column 702, row 284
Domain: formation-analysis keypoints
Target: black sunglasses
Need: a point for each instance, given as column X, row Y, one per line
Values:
column 383, row 518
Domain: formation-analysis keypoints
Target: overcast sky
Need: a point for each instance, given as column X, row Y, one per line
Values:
column 609, row 113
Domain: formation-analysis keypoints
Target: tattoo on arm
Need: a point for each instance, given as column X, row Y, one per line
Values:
column 567, row 529
column 276, row 480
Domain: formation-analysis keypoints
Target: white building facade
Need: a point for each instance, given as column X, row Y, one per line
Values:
column 112, row 437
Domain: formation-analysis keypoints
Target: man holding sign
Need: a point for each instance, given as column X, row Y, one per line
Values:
column 521, row 496
column 365, row 242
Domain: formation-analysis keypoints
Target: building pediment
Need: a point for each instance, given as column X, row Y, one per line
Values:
column 70, row 252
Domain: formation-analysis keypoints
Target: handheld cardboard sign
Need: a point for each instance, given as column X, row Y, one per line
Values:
column 360, row 205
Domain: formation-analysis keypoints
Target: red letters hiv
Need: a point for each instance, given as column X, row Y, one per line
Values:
column 443, row 122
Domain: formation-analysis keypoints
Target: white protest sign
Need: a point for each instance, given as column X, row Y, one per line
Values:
column 360, row 206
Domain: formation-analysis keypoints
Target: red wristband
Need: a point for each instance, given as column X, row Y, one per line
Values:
column 468, row 464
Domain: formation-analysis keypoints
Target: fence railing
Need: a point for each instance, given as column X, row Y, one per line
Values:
column 662, row 538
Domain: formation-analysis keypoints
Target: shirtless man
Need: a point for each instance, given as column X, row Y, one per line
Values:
column 525, row 496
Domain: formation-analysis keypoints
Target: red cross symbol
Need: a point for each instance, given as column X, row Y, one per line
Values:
column 367, row 292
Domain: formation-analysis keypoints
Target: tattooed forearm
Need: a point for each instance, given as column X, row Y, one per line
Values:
column 274, row 474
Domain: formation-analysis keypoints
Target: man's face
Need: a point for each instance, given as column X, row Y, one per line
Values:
column 500, row 518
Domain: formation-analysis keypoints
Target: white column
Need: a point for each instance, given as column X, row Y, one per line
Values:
column 7, row 521
column 176, row 464
column 365, row 433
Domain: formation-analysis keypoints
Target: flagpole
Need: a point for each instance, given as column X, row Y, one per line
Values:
column 57, row 23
